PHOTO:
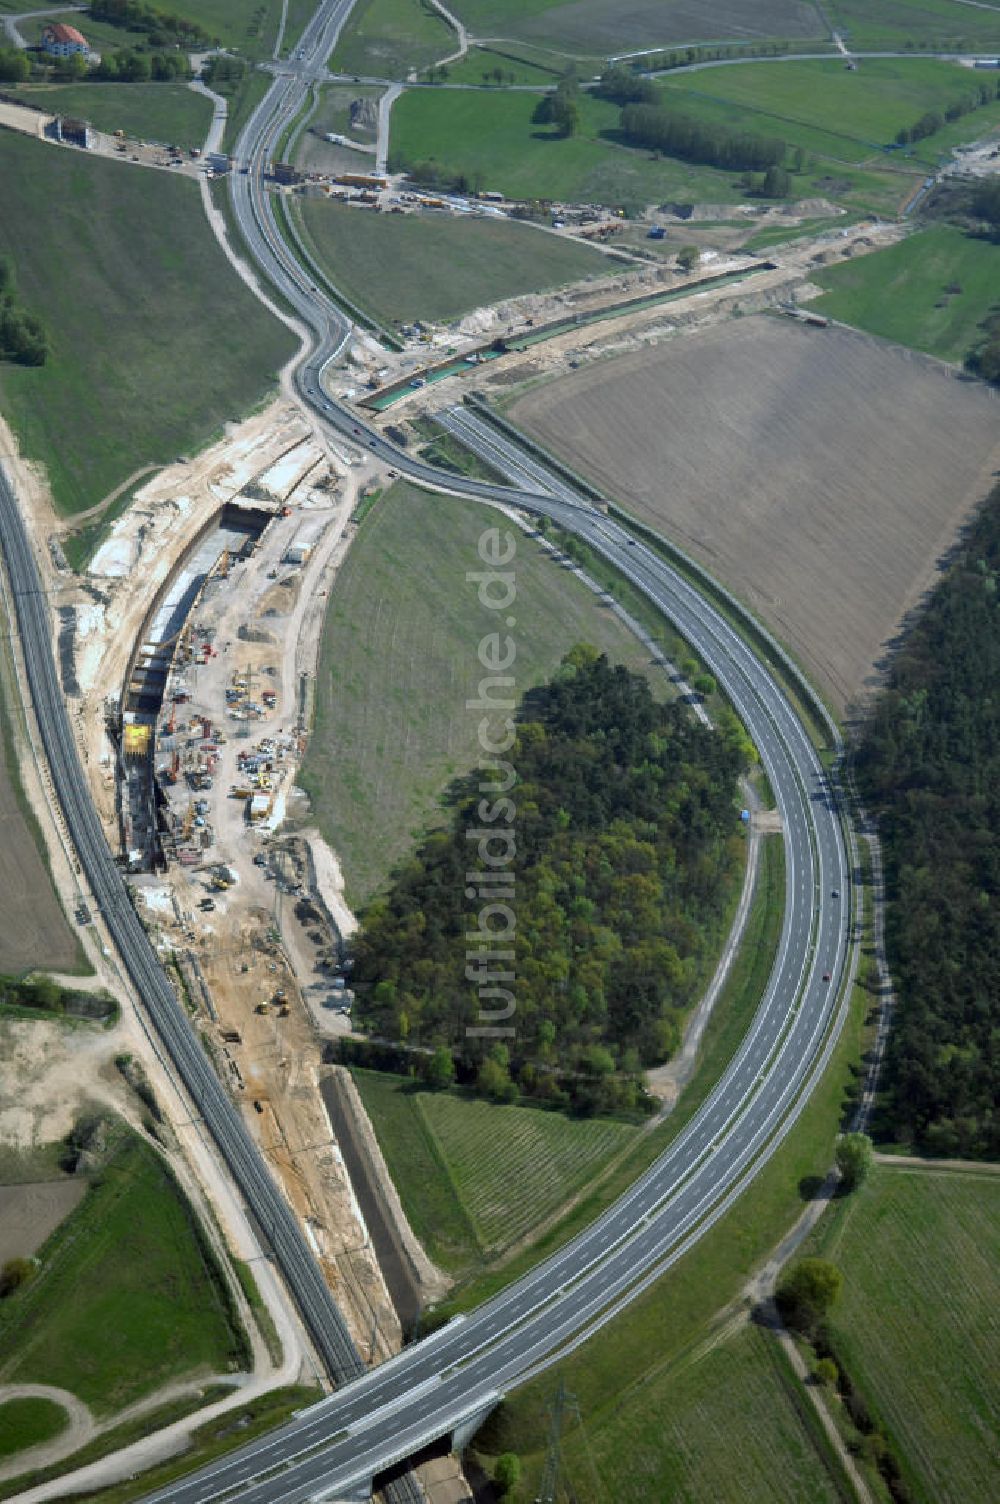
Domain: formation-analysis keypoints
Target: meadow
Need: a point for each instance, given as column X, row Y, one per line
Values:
column 388, row 38
column 730, row 1424
column 398, row 662
column 858, row 112
column 930, row 291
column 937, row 24
column 489, row 139
column 168, row 113
column 404, row 267
column 192, row 346
column 600, row 27
column 128, row 1294
column 916, row 1325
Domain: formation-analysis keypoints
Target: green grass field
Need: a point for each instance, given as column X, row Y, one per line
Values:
column 404, row 267
column 128, row 1295
column 399, row 661
column 902, row 293
column 489, row 137
column 730, row 1425
column 517, row 64
column 388, row 38
column 600, row 27
column 475, row 1177
column 935, row 24
column 835, row 113
column 27, row 1423
column 916, row 1325
column 168, row 113
column 191, row 348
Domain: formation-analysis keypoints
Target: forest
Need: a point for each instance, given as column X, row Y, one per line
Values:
column 928, row 766
column 620, row 817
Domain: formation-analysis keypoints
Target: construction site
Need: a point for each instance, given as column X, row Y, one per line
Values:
column 191, row 651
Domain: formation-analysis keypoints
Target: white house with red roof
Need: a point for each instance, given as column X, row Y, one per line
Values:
column 59, row 40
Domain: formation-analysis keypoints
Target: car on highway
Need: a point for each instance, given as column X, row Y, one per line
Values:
column 826, row 976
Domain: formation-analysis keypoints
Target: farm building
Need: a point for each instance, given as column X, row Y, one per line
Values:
column 59, row 40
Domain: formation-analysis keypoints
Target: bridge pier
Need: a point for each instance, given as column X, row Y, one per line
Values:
column 469, row 1424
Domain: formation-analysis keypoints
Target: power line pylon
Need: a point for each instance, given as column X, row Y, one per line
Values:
column 563, row 1402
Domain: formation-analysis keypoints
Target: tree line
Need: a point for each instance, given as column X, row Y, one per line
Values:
column 23, row 338
column 984, row 357
column 928, row 765
column 163, row 28
column 933, row 121
column 626, row 853
column 661, row 128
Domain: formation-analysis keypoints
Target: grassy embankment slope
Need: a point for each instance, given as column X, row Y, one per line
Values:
column 467, row 1198
column 399, row 661
column 404, row 267
column 930, row 291
column 841, row 120
column 191, row 345
column 35, row 931
column 916, row 1326
column 128, row 1294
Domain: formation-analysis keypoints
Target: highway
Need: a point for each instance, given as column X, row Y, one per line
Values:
column 378, row 1418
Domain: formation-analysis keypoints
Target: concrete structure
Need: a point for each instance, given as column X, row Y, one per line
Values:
column 60, row 40
column 74, row 132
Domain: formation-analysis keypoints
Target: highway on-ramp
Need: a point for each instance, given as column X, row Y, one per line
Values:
column 381, row 1417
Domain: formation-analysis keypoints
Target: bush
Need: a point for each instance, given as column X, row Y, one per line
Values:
column 854, row 1159
column 14, row 1274
column 507, row 1471
column 806, row 1292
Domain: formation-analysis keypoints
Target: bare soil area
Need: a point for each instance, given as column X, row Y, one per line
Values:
column 819, row 473
column 28, row 1213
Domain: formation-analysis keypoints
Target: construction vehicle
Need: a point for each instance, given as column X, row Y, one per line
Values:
column 263, row 1007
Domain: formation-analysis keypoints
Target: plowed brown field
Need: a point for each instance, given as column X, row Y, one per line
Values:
column 818, row 473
